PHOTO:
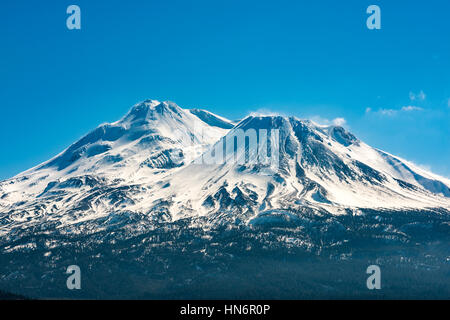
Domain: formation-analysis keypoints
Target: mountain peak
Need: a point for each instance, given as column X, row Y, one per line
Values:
column 301, row 127
column 149, row 108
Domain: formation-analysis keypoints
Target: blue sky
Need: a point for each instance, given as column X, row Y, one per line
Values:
column 306, row 58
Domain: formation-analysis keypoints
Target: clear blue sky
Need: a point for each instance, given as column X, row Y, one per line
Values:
column 304, row 58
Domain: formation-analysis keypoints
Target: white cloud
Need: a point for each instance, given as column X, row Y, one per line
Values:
column 394, row 112
column 424, row 167
column 388, row 112
column 341, row 122
column 411, row 108
column 421, row 96
column 265, row 112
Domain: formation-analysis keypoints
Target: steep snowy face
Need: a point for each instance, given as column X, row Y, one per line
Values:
column 317, row 167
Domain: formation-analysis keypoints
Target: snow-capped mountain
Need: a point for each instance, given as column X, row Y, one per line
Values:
column 145, row 164
column 323, row 167
column 178, row 203
column 112, row 167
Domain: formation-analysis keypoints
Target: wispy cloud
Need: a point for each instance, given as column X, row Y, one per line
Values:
column 425, row 167
column 411, row 108
column 266, row 112
column 388, row 112
column 327, row 122
column 394, row 112
column 339, row 122
column 421, row 96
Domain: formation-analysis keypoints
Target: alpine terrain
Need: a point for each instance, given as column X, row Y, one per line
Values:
column 179, row 203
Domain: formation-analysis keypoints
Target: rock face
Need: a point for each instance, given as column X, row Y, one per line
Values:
column 136, row 196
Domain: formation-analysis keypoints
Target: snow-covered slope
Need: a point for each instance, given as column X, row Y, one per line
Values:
column 321, row 168
column 110, row 168
column 145, row 166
